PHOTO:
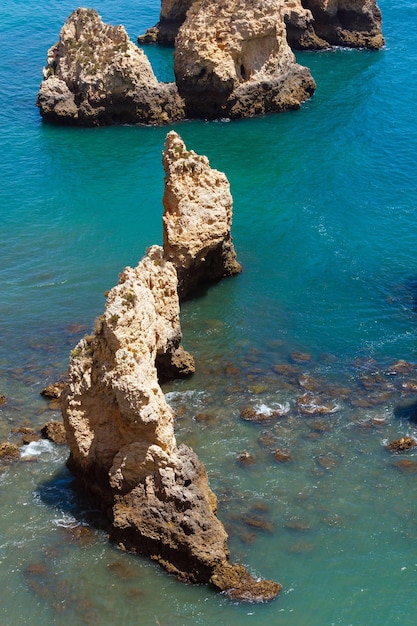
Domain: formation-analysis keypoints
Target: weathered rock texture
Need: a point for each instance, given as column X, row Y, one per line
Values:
column 197, row 218
column 232, row 60
column 120, row 431
column 95, row 75
column 350, row 23
column 311, row 24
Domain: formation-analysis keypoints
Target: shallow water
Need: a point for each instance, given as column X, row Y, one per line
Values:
column 324, row 202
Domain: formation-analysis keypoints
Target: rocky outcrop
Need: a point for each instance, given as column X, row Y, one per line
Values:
column 95, row 75
column 311, row 24
column 171, row 18
column 197, row 218
column 120, row 431
column 349, row 23
column 232, row 60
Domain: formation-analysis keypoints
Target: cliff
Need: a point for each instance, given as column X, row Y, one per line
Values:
column 197, row 218
column 95, row 75
column 120, row 429
column 311, row 24
column 232, row 60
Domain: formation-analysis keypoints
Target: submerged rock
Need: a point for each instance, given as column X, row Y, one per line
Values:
column 232, row 60
column 95, row 76
column 197, row 218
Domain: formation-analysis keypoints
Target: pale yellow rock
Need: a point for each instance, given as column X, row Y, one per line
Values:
column 197, row 217
column 114, row 397
column 103, row 78
column 120, row 428
column 232, row 59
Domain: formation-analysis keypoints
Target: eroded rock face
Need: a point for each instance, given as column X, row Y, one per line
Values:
column 120, row 431
column 232, row 60
column 311, row 24
column 95, row 75
column 197, row 218
column 350, row 23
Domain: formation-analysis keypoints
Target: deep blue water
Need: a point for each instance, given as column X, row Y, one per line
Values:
column 324, row 225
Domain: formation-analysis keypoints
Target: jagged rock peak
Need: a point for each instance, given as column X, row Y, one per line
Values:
column 114, row 401
column 95, row 75
column 120, row 431
column 232, row 60
column 197, row 217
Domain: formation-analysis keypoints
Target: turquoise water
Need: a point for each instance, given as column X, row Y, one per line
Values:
column 324, row 202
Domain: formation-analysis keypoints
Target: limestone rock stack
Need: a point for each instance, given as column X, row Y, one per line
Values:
column 232, row 60
column 95, row 75
column 120, row 428
column 197, row 218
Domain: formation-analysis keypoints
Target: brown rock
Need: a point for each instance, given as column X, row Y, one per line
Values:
column 28, row 435
column 3, row 400
column 260, row 523
column 232, row 60
column 245, row 458
column 9, row 452
column 407, row 466
column 402, row 444
column 300, row 357
column 197, row 218
column 95, row 76
column 314, row 404
column 175, row 364
column 55, row 432
column 172, row 16
column 401, row 367
column 239, row 585
column 55, row 390
column 281, row 456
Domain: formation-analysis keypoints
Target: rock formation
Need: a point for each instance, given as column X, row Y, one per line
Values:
column 95, row 75
column 349, row 23
column 120, row 429
column 197, row 218
column 232, row 60
column 171, row 18
column 311, row 24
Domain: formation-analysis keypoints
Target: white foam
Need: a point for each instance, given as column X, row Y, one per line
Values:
column 36, row 448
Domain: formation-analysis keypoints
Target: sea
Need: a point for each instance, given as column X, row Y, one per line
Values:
column 304, row 341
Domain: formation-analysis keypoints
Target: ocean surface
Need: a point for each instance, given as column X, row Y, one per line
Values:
column 325, row 228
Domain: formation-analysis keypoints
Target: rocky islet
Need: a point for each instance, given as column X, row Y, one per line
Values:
column 232, row 59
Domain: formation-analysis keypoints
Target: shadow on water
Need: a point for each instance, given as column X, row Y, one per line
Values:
column 64, row 492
